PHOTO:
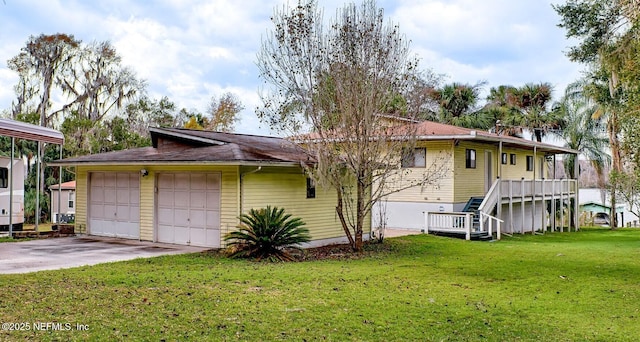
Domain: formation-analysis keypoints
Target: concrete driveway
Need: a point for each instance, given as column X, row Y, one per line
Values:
column 57, row 253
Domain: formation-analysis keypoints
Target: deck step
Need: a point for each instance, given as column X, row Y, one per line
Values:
column 475, row 236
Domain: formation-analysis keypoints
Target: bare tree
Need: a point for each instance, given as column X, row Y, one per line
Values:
column 334, row 84
column 224, row 112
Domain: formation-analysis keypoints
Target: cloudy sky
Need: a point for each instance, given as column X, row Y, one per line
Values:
column 189, row 50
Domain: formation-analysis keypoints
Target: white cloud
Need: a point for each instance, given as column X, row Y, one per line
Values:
column 189, row 50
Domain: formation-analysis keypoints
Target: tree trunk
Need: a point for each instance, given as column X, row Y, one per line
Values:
column 614, row 142
column 345, row 226
column 360, row 211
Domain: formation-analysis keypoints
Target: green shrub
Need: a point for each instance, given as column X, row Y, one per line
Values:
column 267, row 233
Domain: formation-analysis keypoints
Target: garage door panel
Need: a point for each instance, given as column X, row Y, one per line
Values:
column 198, row 181
column 97, row 179
column 165, row 199
column 134, row 214
column 165, row 216
column 109, row 179
column 197, row 218
column 97, row 211
column 197, row 199
column 213, row 182
column 181, row 199
column 165, row 233
column 122, row 180
column 134, row 199
column 181, row 217
column 198, row 236
column 123, row 196
column 181, row 235
column 165, row 181
column 213, row 238
column 122, row 213
column 109, row 212
column 212, row 218
column 109, row 195
column 182, row 181
column 213, row 200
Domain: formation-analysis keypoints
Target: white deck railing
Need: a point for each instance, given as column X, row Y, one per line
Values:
column 490, row 222
column 457, row 222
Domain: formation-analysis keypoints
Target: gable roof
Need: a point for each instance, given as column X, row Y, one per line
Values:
column 202, row 147
column 71, row 185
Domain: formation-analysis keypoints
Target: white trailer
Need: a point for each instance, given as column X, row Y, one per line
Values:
column 6, row 187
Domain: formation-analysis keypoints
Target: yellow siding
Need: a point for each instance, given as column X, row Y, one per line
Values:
column 228, row 195
column 519, row 170
column 470, row 182
column 81, row 200
column 279, row 187
column 439, row 157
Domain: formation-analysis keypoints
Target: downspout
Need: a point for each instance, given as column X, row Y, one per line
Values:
column 241, row 199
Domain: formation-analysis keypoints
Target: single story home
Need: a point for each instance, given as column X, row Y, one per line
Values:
column 594, row 213
column 191, row 186
column 65, row 195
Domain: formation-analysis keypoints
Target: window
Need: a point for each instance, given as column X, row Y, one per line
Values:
column 512, row 160
column 504, row 159
column 470, row 157
column 311, row 188
column 529, row 163
column 415, row 158
column 72, row 199
column 4, row 177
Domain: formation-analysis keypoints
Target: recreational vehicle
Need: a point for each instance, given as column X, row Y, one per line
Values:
column 5, row 193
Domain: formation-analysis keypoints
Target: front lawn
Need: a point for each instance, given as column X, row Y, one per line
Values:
column 556, row 287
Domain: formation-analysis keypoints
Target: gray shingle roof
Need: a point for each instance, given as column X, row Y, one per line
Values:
column 202, row 146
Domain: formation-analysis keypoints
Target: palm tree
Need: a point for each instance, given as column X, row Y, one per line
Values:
column 583, row 129
column 458, row 105
column 514, row 109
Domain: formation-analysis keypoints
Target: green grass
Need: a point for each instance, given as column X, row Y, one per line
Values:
column 556, row 287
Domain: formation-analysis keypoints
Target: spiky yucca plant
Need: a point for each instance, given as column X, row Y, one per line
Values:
column 267, row 233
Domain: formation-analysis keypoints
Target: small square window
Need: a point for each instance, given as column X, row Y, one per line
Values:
column 504, row 159
column 414, row 158
column 311, row 188
column 512, row 159
column 529, row 163
column 470, row 158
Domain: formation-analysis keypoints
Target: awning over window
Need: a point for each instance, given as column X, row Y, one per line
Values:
column 23, row 130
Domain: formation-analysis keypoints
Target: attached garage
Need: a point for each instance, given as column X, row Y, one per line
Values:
column 114, row 204
column 190, row 186
column 188, row 208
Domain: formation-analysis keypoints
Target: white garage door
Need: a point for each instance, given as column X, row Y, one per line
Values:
column 114, row 204
column 189, row 209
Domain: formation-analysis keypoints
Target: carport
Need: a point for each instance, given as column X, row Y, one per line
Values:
column 22, row 130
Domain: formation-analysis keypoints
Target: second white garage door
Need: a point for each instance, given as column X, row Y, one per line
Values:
column 189, row 209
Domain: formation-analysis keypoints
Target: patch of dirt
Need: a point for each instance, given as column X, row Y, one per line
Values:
column 342, row 252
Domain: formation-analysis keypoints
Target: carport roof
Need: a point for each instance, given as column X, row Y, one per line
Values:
column 202, row 147
column 23, row 130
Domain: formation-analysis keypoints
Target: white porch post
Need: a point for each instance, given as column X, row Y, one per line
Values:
column 467, row 224
column 522, row 205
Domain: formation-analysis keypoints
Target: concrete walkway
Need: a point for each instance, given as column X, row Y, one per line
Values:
column 57, row 253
